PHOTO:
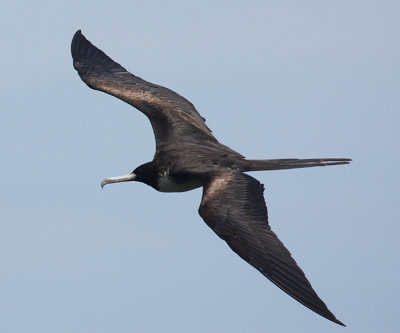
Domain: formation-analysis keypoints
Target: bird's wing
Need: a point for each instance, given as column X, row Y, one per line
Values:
column 233, row 206
column 170, row 114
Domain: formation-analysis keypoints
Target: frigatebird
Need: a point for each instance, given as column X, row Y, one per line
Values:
column 188, row 156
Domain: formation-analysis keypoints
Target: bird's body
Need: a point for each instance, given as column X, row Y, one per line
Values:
column 188, row 156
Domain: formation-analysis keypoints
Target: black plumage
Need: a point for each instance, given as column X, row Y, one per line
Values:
column 189, row 156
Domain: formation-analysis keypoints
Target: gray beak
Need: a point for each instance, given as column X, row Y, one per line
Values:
column 126, row 178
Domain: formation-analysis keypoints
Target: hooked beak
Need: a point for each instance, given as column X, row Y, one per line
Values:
column 126, row 178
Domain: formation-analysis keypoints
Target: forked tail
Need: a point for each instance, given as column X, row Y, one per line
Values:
column 293, row 163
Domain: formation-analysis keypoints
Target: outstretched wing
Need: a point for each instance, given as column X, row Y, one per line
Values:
column 233, row 206
column 171, row 115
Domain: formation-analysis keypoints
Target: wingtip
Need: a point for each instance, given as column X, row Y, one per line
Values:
column 87, row 58
column 339, row 322
column 77, row 35
column 82, row 51
column 330, row 316
column 327, row 314
column 75, row 40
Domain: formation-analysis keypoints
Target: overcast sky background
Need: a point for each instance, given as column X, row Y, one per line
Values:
column 274, row 79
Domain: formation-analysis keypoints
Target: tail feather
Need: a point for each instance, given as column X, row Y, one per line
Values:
column 293, row 163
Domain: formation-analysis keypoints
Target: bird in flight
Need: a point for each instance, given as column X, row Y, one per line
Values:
column 188, row 156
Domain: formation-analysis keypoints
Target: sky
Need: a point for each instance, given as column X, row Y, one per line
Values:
column 274, row 79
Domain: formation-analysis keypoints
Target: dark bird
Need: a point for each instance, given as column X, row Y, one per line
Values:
column 188, row 156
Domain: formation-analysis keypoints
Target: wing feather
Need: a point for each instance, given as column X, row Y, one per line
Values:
column 170, row 114
column 233, row 206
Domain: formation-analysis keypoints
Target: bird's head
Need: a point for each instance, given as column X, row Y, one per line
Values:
column 146, row 173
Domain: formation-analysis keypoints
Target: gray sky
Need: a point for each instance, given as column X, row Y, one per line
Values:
column 274, row 79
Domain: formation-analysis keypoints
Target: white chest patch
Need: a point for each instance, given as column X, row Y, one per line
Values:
column 167, row 184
